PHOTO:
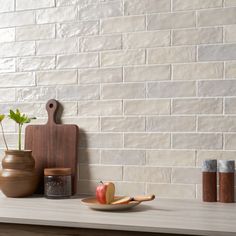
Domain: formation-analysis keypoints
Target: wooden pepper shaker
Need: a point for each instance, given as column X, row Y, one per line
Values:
column 226, row 181
column 209, row 181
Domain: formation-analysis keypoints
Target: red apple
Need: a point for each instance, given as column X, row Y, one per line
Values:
column 105, row 193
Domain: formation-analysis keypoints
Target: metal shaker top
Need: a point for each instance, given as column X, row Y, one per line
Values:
column 209, row 166
column 226, row 166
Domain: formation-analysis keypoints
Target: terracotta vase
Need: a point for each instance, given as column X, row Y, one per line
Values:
column 18, row 177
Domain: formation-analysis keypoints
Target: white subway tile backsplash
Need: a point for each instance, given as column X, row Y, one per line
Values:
column 32, row 4
column 65, row 2
column 7, row 5
column 7, row 65
column 212, row 17
column 217, row 52
column 17, row 79
column 90, row 124
column 147, row 140
column 181, row 5
column 100, row 10
column 118, row 58
column 107, row 75
column 82, row 60
column 77, row 28
column 171, row 89
column 7, row 35
column 184, row 158
column 36, row 63
column 89, row 156
column 230, row 3
column 230, row 141
column 35, row 32
column 123, row 124
column 198, row 71
column 123, row 24
column 100, row 43
column 15, row 49
column 170, row 124
column 123, row 91
column 217, row 88
column 217, row 124
column 179, row 175
column 74, row 93
column 181, row 191
column 147, row 73
column 147, row 174
column 146, row 39
column 171, row 20
column 56, row 15
column 130, row 188
column 35, row 93
column 11, row 19
column 57, row 46
column 219, row 155
column 137, row 7
column 147, row 107
column 56, row 77
column 123, row 157
column 7, row 95
column 165, row 55
column 150, row 83
column 101, row 140
column 230, row 105
column 96, row 172
column 100, row 108
column 230, row 33
column 197, row 140
column 197, row 106
column 197, row 36
column 230, row 69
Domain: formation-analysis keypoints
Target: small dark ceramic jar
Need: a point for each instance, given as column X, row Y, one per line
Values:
column 57, row 183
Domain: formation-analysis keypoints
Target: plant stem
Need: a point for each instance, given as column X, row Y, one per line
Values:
column 3, row 135
column 19, row 138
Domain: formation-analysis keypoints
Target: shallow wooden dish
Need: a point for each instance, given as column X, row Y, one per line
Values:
column 92, row 203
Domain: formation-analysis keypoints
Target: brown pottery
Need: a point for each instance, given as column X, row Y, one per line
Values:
column 18, row 177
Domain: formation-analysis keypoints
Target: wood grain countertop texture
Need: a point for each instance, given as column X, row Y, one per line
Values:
column 171, row 216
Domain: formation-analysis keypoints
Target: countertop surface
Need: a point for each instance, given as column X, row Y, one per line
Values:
column 160, row 215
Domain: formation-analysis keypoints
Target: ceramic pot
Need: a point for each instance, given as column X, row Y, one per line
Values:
column 18, row 177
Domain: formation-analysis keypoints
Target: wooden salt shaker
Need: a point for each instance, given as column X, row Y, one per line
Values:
column 226, row 181
column 209, row 181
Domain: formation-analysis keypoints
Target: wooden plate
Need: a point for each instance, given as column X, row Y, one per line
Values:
column 92, row 203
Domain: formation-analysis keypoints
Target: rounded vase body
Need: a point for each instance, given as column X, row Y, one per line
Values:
column 18, row 177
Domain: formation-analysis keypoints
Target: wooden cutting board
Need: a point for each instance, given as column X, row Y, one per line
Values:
column 53, row 145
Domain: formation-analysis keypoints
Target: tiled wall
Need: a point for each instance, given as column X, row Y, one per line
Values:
column 151, row 83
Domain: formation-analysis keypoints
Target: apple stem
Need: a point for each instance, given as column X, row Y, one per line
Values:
column 101, row 182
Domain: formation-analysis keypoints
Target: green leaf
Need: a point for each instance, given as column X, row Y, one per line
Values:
column 2, row 117
column 19, row 118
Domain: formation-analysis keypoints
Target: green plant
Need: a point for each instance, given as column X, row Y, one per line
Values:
column 3, row 134
column 20, row 119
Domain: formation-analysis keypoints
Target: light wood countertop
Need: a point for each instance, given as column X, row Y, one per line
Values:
column 161, row 215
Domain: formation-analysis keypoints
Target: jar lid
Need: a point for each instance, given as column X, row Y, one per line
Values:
column 57, row 171
column 226, row 166
column 209, row 165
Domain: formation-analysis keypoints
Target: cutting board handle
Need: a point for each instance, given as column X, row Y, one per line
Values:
column 52, row 107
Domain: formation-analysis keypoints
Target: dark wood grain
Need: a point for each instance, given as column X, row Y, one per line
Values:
column 33, row 230
column 226, row 188
column 53, row 144
column 209, row 186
